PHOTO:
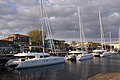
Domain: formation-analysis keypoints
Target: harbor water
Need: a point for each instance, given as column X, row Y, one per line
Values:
column 70, row 70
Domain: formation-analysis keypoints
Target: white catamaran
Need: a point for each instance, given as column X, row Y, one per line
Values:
column 83, row 54
column 102, row 52
column 26, row 60
column 79, row 54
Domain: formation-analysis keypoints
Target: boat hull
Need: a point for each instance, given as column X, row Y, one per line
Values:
column 70, row 57
column 104, row 54
column 96, row 54
column 39, row 62
column 84, row 57
column 113, row 52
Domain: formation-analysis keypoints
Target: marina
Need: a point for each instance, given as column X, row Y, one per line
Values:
column 59, row 40
column 70, row 70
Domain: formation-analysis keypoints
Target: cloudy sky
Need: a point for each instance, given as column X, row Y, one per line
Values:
column 18, row 16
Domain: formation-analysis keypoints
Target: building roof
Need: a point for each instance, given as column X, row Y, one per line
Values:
column 11, row 36
column 6, row 40
column 20, row 35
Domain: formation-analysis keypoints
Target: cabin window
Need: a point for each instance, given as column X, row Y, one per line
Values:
column 30, row 57
column 100, row 52
column 22, row 59
column 41, row 56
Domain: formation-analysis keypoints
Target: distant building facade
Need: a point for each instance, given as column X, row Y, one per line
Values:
column 59, row 45
column 19, row 41
column 89, row 44
column 6, row 46
column 115, row 46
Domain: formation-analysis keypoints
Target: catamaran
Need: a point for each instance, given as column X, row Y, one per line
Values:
column 79, row 54
column 83, row 54
column 72, row 55
column 26, row 60
column 102, row 52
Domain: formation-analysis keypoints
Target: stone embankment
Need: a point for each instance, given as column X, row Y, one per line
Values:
column 106, row 76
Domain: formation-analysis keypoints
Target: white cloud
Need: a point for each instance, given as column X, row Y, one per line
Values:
column 62, row 15
column 114, row 15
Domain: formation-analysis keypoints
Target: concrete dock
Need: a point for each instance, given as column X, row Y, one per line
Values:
column 106, row 76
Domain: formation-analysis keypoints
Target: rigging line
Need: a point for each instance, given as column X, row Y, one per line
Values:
column 34, row 17
column 83, row 32
column 49, row 28
column 46, row 24
column 48, row 32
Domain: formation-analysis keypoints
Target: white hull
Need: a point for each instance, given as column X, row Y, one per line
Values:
column 72, row 54
column 104, row 54
column 96, row 54
column 70, row 57
column 84, row 57
column 113, row 52
column 37, row 62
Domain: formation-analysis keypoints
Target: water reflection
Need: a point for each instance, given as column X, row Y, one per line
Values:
column 38, row 73
column 79, row 70
column 107, row 64
column 70, row 70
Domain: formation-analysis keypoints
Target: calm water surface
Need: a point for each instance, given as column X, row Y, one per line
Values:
column 66, row 71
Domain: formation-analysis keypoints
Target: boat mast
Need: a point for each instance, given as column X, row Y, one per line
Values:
column 101, row 30
column 119, row 38
column 110, row 41
column 42, row 26
column 80, row 25
column 82, row 36
column 43, row 40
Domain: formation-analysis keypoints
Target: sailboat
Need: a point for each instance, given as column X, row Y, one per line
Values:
column 27, row 60
column 83, row 53
column 111, row 50
column 79, row 54
column 101, row 52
